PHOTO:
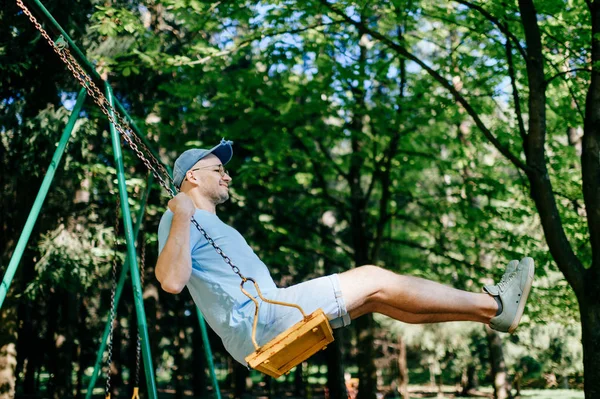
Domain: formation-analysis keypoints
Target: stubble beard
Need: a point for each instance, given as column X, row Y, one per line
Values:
column 222, row 197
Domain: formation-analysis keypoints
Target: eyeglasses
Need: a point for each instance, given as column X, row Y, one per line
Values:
column 222, row 171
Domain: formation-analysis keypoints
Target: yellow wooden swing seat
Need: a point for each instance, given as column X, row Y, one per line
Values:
column 293, row 346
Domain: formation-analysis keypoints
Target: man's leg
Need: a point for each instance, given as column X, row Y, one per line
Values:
column 414, row 318
column 411, row 299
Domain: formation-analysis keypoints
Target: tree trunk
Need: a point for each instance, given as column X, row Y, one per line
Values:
column 178, row 356
column 240, row 374
column 589, row 303
column 367, row 385
column 517, row 384
column 34, row 362
column 432, row 383
column 590, row 327
column 299, row 383
column 28, row 359
column 470, row 382
column 80, row 372
column 402, row 369
column 268, row 385
column 564, row 381
column 51, row 343
column 63, row 343
column 499, row 372
column 25, row 353
column 8, row 348
column 584, row 282
column 8, row 364
column 336, row 384
column 367, row 373
column 440, row 386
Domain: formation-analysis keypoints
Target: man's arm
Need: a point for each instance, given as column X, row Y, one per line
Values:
column 174, row 265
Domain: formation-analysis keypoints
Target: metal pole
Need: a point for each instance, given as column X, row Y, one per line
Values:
column 41, row 196
column 208, row 353
column 119, row 289
column 131, row 256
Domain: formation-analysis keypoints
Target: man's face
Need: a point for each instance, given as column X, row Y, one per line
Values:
column 211, row 183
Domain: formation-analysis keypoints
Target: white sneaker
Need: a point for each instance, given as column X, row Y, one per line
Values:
column 513, row 291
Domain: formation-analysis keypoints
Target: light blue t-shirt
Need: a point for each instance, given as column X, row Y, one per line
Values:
column 214, row 287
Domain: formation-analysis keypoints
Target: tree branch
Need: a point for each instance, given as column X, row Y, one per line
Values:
column 312, row 229
column 572, row 93
column 466, row 27
column 515, row 90
column 385, row 193
column 328, row 156
column 495, row 21
column 248, row 41
column 567, row 72
column 318, row 172
column 433, row 251
column 387, row 160
column 439, row 78
column 399, row 216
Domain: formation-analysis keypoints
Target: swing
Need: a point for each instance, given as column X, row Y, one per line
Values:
column 289, row 348
column 294, row 345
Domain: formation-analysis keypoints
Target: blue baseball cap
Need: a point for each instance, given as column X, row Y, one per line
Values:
column 188, row 159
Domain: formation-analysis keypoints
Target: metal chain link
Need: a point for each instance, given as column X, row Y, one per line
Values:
column 226, row 258
column 112, row 299
column 142, row 267
column 118, row 121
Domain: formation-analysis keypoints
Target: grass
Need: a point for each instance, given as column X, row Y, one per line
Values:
column 421, row 391
column 551, row 394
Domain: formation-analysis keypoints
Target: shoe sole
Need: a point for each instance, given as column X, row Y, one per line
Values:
column 524, row 297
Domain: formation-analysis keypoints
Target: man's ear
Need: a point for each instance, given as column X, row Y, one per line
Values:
column 191, row 177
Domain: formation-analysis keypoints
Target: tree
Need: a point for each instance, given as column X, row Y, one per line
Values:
column 584, row 280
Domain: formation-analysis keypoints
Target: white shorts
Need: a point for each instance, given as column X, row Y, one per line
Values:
column 322, row 292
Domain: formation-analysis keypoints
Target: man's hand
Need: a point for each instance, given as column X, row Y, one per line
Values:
column 182, row 205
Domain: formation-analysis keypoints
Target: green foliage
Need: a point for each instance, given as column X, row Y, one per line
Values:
column 346, row 151
column 71, row 260
column 110, row 21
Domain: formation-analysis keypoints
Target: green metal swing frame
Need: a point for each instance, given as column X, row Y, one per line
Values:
column 131, row 233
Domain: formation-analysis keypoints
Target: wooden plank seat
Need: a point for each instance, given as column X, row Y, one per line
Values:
column 294, row 345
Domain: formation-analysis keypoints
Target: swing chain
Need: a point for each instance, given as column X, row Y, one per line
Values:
column 226, row 258
column 113, row 315
column 138, row 349
column 118, row 122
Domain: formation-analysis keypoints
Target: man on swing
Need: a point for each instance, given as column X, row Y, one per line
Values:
column 187, row 259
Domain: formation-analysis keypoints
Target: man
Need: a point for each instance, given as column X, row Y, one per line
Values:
column 187, row 259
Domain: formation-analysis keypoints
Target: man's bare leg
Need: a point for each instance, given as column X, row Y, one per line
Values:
column 399, row 296
column 413, row 318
